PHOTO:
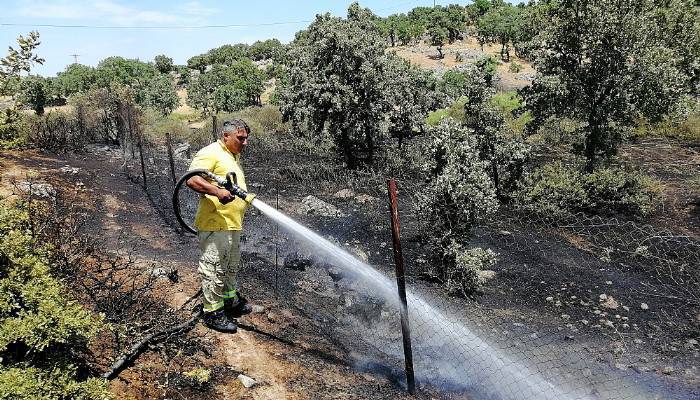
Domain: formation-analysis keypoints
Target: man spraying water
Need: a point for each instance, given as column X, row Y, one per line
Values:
column 219, row 222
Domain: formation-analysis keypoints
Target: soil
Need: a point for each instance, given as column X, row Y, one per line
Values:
column 426, row 57
column 545, row 297
column 305, row 368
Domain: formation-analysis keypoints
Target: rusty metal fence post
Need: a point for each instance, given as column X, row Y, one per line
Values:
column 401, row 283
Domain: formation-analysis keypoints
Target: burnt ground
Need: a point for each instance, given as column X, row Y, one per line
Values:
column 287, row 353
column 312, row 342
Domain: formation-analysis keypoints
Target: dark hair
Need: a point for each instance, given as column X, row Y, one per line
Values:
column 234, row 125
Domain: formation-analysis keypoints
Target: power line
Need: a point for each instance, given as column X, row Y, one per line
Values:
column 157, row 26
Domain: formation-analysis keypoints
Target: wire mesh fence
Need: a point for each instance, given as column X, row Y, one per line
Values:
column 576, row 307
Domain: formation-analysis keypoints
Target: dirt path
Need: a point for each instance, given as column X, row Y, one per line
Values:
column 125, row 221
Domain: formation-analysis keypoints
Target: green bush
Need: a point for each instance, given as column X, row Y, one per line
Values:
column 556, row 189
column 41, row 329
column 14, row 129
column 155, row 126
column 455, row 111
column 462, row 275
column 514, row 67
column 630, row 193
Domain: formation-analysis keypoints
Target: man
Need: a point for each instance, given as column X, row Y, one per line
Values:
column 219, row 221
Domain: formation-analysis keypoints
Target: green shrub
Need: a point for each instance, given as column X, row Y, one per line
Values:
column 630, row 193
column 462, row 273
column 33, row 383
column 556, row 189
column 454, row 111
column 514, row 67
column 14, row 129
column 41, row 329
column 155, row 126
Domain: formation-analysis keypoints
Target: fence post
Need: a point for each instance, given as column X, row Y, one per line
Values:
column 401, row 283
column 169, row 142
column 213, row 128
column 143, row 164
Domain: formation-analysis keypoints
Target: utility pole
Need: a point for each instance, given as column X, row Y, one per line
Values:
column 75, row 58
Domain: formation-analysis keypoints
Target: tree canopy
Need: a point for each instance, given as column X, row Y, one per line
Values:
column 604, row 64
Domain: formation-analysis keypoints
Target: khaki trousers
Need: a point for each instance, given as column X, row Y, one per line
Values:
column 218, row 267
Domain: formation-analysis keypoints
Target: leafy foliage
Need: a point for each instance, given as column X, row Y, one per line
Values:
column 39, row 326
column 20, row 60
column 77, row 78
column 557, row 190
column 341, row 84
column 34, row 91
column 163, row 63
column 159, row 94
column 460, row 193
column 602, row 63
column 500, row 25
column 227, row 88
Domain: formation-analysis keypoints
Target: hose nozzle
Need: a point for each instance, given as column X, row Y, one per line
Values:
column 231, row 184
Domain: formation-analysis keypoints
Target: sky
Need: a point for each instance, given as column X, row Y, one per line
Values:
column 176, row 28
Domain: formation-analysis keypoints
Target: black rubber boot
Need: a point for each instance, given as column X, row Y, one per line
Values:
column 237, row 308
column 218, row 321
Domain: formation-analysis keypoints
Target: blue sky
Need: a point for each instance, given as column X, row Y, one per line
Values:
column 94, row 44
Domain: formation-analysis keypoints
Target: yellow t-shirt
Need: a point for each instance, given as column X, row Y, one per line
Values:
column 211, row 214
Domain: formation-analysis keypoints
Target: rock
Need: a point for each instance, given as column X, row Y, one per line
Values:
column 610, row 303
column 41, row 190
column 181, row 150
column 603, row 297
column 486, row 275
column 69, row 170
column 550, row 298
column 668, row 370
column 344, row 194
column 247, row 381
column 365, row 198
column 170, row 274
column 359, row 254
column 314, row 205
column 620, row 366
column 505, row 233
column 644, row 306
column 565, row 316
column 257, row 309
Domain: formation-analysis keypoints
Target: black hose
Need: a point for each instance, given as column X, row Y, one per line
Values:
column 229, row 183
column 176, row 196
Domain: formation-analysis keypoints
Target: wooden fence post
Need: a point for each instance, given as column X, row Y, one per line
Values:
column 401, row 283
column 169, row 143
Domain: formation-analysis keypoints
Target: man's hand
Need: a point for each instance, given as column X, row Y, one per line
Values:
column 224, row 196
column 201, row 185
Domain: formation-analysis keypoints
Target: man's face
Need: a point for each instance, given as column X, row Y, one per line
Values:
column 235, row 141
